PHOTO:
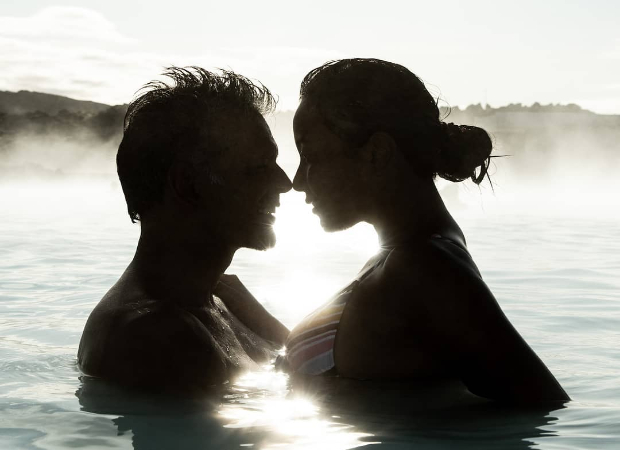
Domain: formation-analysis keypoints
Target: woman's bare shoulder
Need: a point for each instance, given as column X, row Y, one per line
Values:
column 431, row 261
column 437, row 278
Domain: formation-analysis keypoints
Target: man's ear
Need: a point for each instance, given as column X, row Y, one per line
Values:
column 181, row 181
column 379, row 149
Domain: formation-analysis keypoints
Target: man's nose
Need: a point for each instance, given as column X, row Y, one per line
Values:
column 283, row 182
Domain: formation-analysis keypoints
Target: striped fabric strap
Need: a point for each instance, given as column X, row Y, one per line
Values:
column 310, row 346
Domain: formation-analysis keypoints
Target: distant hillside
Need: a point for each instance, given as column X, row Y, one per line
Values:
column 26, row 101
column 37, row 129
column 38, row 120
column 521, row 118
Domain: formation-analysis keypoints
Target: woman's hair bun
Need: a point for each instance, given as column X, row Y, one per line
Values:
column 462, row 150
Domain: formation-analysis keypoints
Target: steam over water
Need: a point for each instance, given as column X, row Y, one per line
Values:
column 547, row 242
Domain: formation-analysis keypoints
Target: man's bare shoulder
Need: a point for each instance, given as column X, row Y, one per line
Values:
column 137, row 340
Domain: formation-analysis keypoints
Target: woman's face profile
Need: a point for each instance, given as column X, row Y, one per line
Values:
column 329, row 172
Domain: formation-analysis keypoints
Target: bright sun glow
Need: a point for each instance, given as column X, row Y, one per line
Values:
column 293, row 421
column 296, row 224
column 303, row 249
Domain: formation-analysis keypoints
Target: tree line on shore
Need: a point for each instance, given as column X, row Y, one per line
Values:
column 77, row 126
column 535, row 135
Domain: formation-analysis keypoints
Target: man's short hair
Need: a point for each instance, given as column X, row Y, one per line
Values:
column 168, row 118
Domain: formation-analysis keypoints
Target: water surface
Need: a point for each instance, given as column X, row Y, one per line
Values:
column 557, row 277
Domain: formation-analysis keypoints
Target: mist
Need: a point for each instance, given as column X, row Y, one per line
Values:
column 51, row 138
column 53, row 158
column 548, row 159
column 554, row 159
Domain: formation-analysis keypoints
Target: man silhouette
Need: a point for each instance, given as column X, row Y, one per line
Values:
column 197, row 164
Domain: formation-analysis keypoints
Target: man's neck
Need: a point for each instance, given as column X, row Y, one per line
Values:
column 181, row 272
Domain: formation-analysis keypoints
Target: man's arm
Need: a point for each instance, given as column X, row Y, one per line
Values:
column 249, row 311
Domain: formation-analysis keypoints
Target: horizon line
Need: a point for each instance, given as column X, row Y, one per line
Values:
column 484, row 105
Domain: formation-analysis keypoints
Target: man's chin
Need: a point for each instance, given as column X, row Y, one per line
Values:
column 264, row 240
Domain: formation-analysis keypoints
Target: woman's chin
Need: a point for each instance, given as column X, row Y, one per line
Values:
column 332, row 223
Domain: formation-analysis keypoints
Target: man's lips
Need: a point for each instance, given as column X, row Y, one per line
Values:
column 265, row 214
column 269, row 206
column 264, row 219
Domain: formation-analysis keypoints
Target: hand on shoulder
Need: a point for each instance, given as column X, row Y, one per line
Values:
column 249, row 311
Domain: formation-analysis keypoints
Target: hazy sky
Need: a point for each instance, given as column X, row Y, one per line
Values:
column 492, row 52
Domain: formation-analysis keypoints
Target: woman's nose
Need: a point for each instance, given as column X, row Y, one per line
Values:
column 299, row 180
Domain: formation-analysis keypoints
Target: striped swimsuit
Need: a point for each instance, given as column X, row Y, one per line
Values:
column 310, row 346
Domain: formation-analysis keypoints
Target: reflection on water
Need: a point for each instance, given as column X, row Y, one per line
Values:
column 258, row 410
column 261, row 410
column 288, row 418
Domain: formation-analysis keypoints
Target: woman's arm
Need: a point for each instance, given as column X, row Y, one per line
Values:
column 492, row 358
column 249, row 311
column 467, row 328
column 483, row 347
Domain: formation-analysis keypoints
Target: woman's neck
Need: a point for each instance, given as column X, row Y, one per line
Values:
column 411, row 210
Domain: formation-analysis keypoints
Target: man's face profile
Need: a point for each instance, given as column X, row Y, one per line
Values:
column 243, row 203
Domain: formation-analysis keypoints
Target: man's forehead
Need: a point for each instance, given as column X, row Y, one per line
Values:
column 244, row 136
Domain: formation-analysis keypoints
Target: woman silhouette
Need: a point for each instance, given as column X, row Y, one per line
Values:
column 371, row 143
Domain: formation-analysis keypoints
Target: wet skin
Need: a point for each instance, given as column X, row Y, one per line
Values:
column 424, row 312
column 160, row 326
